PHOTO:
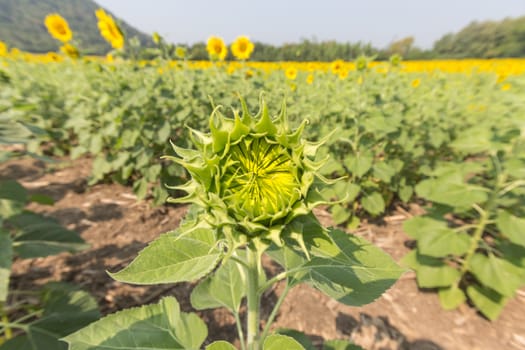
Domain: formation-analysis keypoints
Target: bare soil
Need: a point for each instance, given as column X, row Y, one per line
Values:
column 117, row 227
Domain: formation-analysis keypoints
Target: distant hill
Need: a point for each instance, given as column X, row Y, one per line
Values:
column 22, row 25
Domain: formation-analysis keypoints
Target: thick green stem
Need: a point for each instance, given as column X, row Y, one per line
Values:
column 478, row 234
column 253, row 301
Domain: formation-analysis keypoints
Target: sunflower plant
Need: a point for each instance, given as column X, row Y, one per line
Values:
column 217, row 49
column 254, row 183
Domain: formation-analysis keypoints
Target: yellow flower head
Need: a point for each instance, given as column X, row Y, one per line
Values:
column 506, row 87
column 415, row 83
column 3, row 49
column 53, row 57
column 343, row 74
column 242, row 48
column 58, row 27
column 337, row 66
column 109, row 30
column 70, row 50
column 291, row 73
column 180, row 52
column 310, row 79
column 216, row 48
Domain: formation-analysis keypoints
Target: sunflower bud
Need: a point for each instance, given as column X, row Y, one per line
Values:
column 251, row 174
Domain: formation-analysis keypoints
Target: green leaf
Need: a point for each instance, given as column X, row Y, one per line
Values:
column 498, row 274
column 511, row 227
column 40, row 236
column 13, row 190
column 280, row 342
column 373, row 203
column 405, row 193
column 419, row 226
column 164, row 132
column 224, row 288
column 384, row 171
column 340, row 214
column 430, row 272
column 443, row 242
column 66, row 309
column 157, row 326
column 6, row 258
column 456, row 195
column 452, row 297
column 340, row 345
column 488, row 302
column 473, row 140
column 300, row 337
column 220, row 345
column 176, row 256
column 436, row 276
column 359, row 164
column 41, row 199
column 348, row 268
column 9, row 208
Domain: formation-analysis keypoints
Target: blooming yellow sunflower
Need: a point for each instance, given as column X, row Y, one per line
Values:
column 291, row 73
column 216, row 48
column 242, row 48
column 109, row 30
column 415, row 83
column 337, row 66
column 58, row 27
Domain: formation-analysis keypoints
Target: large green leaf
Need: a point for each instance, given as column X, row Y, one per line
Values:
column 224, row 288
column 487, row 301
column 66, row 309
column 177, row 256
column 443, row 242
column 348, row 268
column 281, row 342
column 6, row 257
column 456, row 195
column 419, row 226
column 40, row 236
column 157, row 326
column 512, row 227
column 496, row 273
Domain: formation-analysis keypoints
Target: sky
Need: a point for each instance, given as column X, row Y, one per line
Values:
column 379, row 22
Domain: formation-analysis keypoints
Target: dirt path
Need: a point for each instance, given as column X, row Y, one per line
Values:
column 117, row 226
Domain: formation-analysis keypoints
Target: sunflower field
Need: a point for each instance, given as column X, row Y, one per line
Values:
column 446, row 134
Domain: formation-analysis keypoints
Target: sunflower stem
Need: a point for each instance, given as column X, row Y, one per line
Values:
column 252, row 299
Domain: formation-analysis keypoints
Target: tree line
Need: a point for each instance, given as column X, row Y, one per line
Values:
column 487, row 39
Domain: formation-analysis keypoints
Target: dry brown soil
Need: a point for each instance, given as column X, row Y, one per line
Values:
column 117, row 226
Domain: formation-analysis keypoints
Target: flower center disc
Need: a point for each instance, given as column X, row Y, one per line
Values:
column 260, row 179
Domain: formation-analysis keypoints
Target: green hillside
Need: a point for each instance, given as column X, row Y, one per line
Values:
column 22, row 25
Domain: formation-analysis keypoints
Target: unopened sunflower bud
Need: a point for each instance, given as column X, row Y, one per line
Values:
column 250, row 173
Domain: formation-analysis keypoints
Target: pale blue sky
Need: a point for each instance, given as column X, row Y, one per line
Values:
column 278, row 21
